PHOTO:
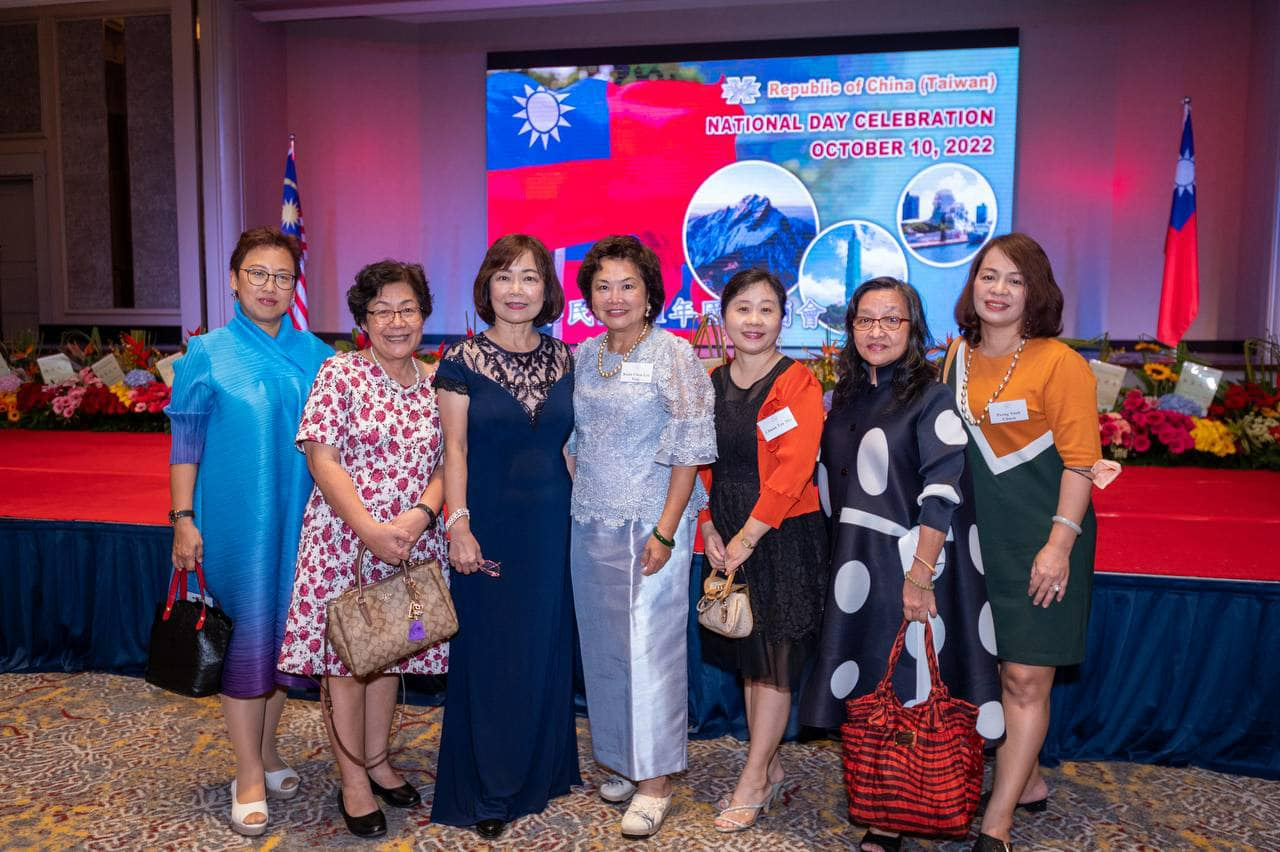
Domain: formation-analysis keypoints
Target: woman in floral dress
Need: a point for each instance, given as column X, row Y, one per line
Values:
column 371, row 432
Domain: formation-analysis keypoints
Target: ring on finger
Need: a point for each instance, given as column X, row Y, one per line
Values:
column 1057, row 587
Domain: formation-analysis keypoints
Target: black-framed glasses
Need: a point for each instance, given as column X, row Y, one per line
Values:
column 886, row 323
column 259, row 277
column 384, row 316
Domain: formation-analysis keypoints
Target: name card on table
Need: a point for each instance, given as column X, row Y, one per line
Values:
column 1110, row 378
column 1199, row 384
column 56, row 368
column 108, row 370
column 4, row 368
column 165, row 367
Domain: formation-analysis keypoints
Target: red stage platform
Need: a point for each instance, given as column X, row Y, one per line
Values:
column 118, row 477
column 1183, row 522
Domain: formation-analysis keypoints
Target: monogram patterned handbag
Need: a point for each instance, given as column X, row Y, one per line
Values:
column 372, row 627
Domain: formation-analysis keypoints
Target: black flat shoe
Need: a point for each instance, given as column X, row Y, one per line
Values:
column 987, row 843
column 1039, row 806
column 490, row 828
column 369, row 825
column 403, row 796
column 889, row 843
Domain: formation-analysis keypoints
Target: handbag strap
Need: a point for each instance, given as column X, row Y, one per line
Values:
column 403, row 568
column 937, row 687
column 181, row 573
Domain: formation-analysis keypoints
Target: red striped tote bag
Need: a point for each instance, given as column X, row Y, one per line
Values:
column 917, row 770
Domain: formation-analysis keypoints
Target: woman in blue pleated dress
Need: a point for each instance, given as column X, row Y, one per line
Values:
column 238, row 488
column 508, row 743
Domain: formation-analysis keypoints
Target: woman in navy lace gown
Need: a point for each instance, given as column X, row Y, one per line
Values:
column 506, row 404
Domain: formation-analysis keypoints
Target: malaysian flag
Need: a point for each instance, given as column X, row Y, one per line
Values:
column 291, row 223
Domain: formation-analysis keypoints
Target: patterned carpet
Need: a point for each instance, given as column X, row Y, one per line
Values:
column 99, row 761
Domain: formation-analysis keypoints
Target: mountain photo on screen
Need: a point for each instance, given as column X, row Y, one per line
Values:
column 841, row 258
column 946, row 213
column 750, row 213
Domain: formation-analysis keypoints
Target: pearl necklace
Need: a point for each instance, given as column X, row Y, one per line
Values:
column 964, row 386
column 604, row 342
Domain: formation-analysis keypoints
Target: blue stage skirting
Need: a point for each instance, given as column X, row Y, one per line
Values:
column 1179, row 672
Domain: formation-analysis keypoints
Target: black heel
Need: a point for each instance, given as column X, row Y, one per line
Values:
column 987, row 843
column 369, row 825
column 1039, row 806
column 404, row 796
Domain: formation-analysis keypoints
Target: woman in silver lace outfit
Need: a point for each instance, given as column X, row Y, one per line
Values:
column 643, row 422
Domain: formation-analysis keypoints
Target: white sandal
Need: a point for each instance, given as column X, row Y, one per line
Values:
column 276, row 781
column 241, row 811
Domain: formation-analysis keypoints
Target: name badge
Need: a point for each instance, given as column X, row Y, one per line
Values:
column 1013, row 411
column 777, row 424
column 639, row 372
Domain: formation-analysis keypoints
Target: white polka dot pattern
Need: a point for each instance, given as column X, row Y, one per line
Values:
column 873, row 462
column 949, row 429
column 824, row 489
column 987, row 629
column 991, row 720
column 975, row 550
column 844, row 679
column 852, row 586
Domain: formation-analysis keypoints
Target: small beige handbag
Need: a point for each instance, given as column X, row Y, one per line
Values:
column 372, row 627
column 725, row 607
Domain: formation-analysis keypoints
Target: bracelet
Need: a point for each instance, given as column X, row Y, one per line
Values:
column 1069, row 524
column 927, row 566
column 746, row 542
column 669, row 542
column 431, row 515
column 924, row 587
column 175, row 514
column 455, row 516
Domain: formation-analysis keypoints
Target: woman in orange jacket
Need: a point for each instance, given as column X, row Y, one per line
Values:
column 764, row 520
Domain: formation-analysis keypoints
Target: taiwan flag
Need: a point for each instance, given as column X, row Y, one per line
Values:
column 575, row 164
column 1180, row 290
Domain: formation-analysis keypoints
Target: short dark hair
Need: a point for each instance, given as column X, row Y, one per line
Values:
column 266, row 238
column 625, row 247
column 506, row 251
column 375, row 276
column 744, row 278
column 915, row 370
column 1042, row 316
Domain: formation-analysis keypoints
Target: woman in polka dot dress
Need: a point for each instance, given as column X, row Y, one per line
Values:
column 892, row 481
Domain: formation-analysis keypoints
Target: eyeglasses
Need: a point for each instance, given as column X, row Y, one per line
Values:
column 493, row 569
column 385, row 315
column 259, row 277
column 886, row 323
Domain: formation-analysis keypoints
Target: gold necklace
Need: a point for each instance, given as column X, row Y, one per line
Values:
column 964, row 386
column 604, row 341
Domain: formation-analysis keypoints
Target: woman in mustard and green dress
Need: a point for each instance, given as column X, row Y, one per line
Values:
column 1029, row 403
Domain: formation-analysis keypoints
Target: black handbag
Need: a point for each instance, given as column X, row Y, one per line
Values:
column 188, row 642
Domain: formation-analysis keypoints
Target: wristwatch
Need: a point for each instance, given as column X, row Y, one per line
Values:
column 175, row 514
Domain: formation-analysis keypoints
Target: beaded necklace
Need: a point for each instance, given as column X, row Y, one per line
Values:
column 604, row 342
column 964, row 386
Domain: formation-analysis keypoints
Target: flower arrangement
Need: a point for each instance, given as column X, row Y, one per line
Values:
column 135, row 404
column 1152, row 424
